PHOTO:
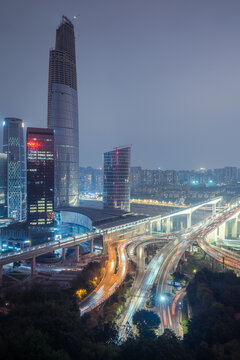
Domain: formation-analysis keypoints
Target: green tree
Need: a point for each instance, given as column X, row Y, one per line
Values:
column 147, row 322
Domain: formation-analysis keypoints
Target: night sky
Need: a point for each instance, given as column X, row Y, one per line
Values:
column 163, row 76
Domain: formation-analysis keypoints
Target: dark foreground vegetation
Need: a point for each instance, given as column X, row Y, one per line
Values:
column 214, row 329
column 44, row 324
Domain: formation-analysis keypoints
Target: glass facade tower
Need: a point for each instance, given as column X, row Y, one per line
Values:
column 13, row 146
column 116, row 183
column 40, row 177
column 63, row 115
column 3, row 185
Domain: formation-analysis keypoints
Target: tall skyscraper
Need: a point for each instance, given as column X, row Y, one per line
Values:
column 3, row 185
column 116, row 182
column 63, row 115
column 40, row 177
column 13, row 146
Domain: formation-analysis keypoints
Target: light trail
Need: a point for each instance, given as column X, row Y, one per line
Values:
column 110, row 281
column 175, row 303
column 164, row 317
column 169, row 317
column 173, row 256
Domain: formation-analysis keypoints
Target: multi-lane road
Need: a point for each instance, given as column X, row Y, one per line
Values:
column 115, row 272
column 227, row 258
column 143, row 282
column 157, row 271
column 163, row 264
column 167, row 308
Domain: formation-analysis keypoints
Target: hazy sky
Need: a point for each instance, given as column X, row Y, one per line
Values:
column 162, row 75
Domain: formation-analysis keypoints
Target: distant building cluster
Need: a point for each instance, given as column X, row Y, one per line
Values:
column 90, row 180
column 170, row 185
column 141, row 177
column 184, row 186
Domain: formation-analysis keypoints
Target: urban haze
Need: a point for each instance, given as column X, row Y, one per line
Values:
column 162, row 76
column 119, row 180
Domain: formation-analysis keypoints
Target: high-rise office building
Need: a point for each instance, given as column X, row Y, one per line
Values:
column 116, row 181
column 40, row 177
column 13, row 146
column 63, row 115
column 3, row 185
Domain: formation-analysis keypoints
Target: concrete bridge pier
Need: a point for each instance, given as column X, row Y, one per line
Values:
column 159, row 226
column 213, row 235
column 105, row 243
column 222, row 231
column 168, row 226
column 150, row 227
column 235, row 228
column 189, row 220
column 33, row 266
column 214, row 208
column 64, row 255
column 91, row 246
column 77, row 253
column 1, row 275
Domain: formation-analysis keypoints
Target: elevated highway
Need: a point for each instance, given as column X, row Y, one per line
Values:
column 187, row 211
column 226, row 257
column 163, row 264
column 111, row 232
column 166, row 310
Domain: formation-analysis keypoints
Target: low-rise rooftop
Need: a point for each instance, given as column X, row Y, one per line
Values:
column 101, row 218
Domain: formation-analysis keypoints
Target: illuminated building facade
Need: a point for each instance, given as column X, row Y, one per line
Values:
column 116, row 181
column 63, row 115
column 3, row 185
column 13, row 146
column 40, row 177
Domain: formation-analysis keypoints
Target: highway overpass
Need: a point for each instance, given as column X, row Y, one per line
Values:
column 110, row 232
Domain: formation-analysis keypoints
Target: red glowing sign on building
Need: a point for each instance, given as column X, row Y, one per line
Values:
column 34, row 145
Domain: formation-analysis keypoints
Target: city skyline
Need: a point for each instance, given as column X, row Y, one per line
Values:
column 138, row 255
column 186, row 55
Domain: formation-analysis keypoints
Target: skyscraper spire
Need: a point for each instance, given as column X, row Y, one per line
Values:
column 63, row 114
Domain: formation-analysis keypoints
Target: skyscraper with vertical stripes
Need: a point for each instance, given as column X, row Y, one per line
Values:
column 63, row 115
column 13, row 146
